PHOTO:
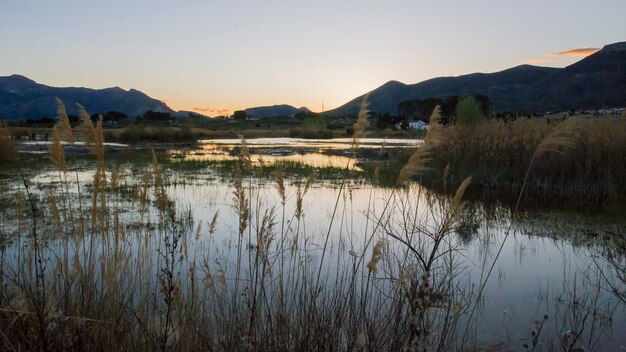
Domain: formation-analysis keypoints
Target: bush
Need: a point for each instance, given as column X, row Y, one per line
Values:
column 133, row 133
column 322, row 133
column 139, row 132
column 468, row 111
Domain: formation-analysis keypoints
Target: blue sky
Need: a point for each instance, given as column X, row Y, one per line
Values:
column 219, row 56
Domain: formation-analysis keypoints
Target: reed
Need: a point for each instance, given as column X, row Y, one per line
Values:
column 583, row 173
column 144, row 274
column 7, row 153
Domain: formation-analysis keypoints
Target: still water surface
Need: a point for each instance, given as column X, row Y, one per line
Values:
column 551, row 263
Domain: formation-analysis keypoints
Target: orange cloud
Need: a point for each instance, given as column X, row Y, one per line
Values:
column 218, row 112
column 538, row 61
column 580, row 52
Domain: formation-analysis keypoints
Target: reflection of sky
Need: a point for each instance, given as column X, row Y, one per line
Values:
column 530, row 274
column 335, row 143
column 307, row 159
column 304, row 151
column 529, row 277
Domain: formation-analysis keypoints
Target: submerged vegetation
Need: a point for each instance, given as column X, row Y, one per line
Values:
column 116, row 263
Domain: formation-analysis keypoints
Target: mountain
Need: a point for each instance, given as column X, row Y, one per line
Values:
column 22, row 98
column 274, row 111
column 596, row 81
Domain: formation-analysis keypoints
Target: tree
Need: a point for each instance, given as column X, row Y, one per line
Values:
column 154, row 116
column 406, row 110
column 240, row 115
column 115, row 116
column 384, row 121
column 468, row 111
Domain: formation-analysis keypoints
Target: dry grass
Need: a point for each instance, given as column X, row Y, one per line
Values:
column 95, row 280
column 123, row 273
column 578, row 161
column 7, row 153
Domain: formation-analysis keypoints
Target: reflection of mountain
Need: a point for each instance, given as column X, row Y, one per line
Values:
column 275, row 111
column 597, row 81
column 22, row 98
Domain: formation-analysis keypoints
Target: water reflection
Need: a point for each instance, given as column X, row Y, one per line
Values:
column 214, row 152
column 555, row 265
column 335, row 153
column 335, row 143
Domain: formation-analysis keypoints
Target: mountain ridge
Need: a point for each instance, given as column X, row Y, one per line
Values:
column 274, row 111
column 596, row 81
column 22, row 98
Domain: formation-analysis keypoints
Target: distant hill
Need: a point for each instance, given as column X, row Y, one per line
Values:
column 22, row 98
column 596, row 81
column 274, row 111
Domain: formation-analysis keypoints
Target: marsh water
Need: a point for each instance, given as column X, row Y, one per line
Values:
column 565, row 268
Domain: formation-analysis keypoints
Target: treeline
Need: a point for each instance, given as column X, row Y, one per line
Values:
column 108, row 118
column 421, row 109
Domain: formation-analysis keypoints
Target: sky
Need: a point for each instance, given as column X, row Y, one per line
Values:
column 217, row 56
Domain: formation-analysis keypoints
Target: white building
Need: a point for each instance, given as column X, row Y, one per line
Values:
column 418, row 125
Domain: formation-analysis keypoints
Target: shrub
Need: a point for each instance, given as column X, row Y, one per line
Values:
column 468, row 111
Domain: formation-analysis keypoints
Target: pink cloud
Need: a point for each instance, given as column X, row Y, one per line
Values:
column 580, row 52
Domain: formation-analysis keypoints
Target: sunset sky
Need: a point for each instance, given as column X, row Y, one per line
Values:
column 218, row 56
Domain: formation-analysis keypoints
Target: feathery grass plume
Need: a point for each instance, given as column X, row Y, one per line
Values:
column 261, row 165
column 65, row 129
column 54, row 211
column 433, row 134
column 86, row 129
column 309, row 181
column 57, row 154
column 97, row 184
column 559, row 138
column 381, row 151
column 407, row 273
column 280, row 184
column 266, row 236
column 377, row 253
column 208, row 280
column 416, row 164
column 300, row 192
column 222, row 277
column 198, row 230
column 299, row 196
column 457, row 202
column 213, row 224
column 141, row 191
column 241, row 202
column 160, row 195
column 456, row 206
column 114, row 178
column 99, row 142
column 245, row 152
column 361, row 122
column 418, row 160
